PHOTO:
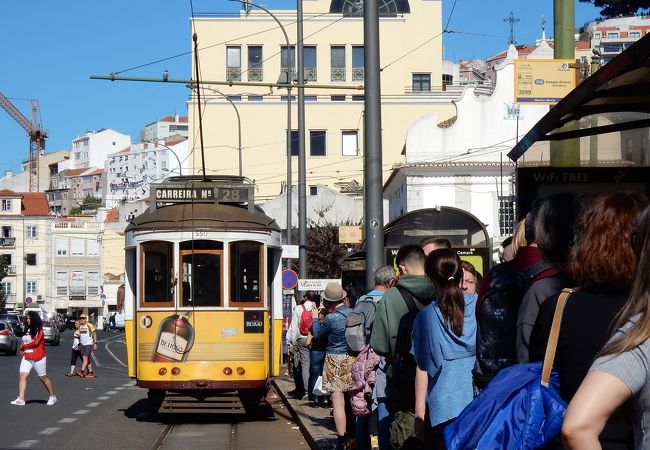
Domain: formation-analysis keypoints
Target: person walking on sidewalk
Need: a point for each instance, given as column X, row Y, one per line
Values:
column 297, row 339
column 33, row 351
column 75, row 354
column 88, row 343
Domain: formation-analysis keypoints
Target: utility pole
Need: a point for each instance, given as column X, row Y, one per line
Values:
column 564, row 153
column 373, row 204
column 302, row 161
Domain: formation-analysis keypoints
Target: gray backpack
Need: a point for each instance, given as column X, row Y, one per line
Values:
column 359, row 324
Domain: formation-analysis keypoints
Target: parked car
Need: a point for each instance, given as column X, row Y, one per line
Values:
column 70, row 320
column 9, row 342
column 15, row 320
column 51, row 332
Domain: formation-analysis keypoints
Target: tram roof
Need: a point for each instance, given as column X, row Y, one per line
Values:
column 210, row 216
column 620, row 89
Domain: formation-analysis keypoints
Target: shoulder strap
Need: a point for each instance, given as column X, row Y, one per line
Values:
column 551, row 346
column 304, row 308
column 408, row 298
column 535, row 269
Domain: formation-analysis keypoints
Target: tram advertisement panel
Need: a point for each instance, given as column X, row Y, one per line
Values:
column 205, row 336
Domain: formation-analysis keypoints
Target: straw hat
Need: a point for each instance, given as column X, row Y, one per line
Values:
column 334, row 292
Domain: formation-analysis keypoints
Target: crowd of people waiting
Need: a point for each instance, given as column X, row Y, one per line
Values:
column 438, row 332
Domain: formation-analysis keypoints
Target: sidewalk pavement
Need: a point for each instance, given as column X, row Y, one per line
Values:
column 315, row 422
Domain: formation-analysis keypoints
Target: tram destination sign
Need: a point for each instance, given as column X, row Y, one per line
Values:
column 184, row 194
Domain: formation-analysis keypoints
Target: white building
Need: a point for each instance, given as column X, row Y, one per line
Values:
column 130, row 170
column 166, row 127
column 464, row 164
column 91, row 149
column 611, row 36
column 24, row 245
column 19, row 182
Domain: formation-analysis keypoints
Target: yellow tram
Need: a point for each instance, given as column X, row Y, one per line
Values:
column 203, row 292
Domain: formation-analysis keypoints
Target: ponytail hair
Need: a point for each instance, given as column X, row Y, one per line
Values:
column 443, row 269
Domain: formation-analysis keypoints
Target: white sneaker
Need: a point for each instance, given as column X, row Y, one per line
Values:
column 18, row 402
column 51, row 401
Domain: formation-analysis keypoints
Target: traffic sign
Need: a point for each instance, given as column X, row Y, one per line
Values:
column 289, row 279
column 28, row 300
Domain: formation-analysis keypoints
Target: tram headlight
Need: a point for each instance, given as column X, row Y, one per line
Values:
column 162, row 371
column 241, row 371
column 176, row 370
column 227, row 370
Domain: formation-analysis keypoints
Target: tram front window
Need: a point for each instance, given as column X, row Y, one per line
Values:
column 157, row 270
column 201, row 279
column 246, row 273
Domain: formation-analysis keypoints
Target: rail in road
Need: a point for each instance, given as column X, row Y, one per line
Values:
column 110, row 412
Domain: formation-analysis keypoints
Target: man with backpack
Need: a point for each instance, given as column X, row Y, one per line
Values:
column 391, row 337
column 301, row 321
column 357, row 333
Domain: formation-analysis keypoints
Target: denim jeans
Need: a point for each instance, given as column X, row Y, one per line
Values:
column 316, row 362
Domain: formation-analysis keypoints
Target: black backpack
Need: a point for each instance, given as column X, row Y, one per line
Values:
column 404, row 365
column 496, row 319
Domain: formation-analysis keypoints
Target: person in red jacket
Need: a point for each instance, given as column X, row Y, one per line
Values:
column 33, row 352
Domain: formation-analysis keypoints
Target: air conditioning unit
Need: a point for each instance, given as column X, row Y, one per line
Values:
column 39, row 297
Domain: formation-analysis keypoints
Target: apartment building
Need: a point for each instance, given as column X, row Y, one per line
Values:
column 251, row 47
column 25, row 226
column 91, row 149
column 164, row 128
column 611, row 36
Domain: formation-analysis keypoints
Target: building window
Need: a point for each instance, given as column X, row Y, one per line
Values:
column 61, row 247
column 309, row 61
column 635, row 34
column 310, row 98
column 234, row 98
column 31, row 259
column 337, row 98
column 596, row 35
column 294, row 143
column 62, row 283
column 358, row 98
column 31, row 287
column 313, row 190
column 93, row 283
column 337, row 63
column 421, row 82
column 612, row 35
column 507, row 215
column 349, row 143
column 5, row 288
column 77, row 247
column 447, row 79
column 255, row 98
column 255, row 63
column 284, row 63
column 357, row 63
column 31, row 232
column 93, row 247
column 317, row 142
column 283, row 98
column 6, row 204
column 233, row 63
column 6, row 232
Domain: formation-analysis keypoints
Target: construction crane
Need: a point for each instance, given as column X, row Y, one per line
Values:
column 36, row 134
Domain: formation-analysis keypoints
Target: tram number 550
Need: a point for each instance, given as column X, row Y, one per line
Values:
column 232, row 195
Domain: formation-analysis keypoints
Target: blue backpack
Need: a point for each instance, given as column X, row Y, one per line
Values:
column 520, row 408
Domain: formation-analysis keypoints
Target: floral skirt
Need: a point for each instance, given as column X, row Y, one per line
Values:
column 337, row 376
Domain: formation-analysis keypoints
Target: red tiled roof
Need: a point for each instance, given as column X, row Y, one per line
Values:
column 125, row 150
column 583, row 45
column 181, row 119
column 35, row 204
column 112, row 216
column 8, row 193
column 75, row 172
column 175, row 140
column 97, row 171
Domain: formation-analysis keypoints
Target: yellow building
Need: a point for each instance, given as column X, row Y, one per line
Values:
column 250, row 47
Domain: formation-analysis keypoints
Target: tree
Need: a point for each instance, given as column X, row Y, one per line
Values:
column 616, row 8
column 89, row 203
column 4, row 270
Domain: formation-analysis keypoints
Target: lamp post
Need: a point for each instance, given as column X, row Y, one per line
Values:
column 289, row 81
column 238, row 125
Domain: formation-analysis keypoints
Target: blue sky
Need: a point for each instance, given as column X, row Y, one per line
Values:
column 50, row 49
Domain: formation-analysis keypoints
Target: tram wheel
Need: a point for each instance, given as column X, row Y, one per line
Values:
column 254, row 403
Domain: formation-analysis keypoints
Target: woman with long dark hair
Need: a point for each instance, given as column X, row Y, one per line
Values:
column 622, row 371
column 444, row 347
column 33, row 351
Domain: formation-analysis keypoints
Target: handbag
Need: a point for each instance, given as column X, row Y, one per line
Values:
column 520, row 408
column 318, row 387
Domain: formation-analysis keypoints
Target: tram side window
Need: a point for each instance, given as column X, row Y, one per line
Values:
column 246, row 273
column 158, row 267
column 201, row 278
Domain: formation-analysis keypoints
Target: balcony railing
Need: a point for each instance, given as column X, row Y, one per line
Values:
column 11, row 269
column 338, row 73
column 7, row 242
column 357, row 74
column 233, row 74
column 255, row 74
column 10, row 299
column 311, row 74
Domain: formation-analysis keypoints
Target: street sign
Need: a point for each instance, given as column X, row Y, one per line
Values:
column 102, row 297
column 28, row 300
column 543, row 81
column 307, row 284
column 289, row 279
column 289, row 251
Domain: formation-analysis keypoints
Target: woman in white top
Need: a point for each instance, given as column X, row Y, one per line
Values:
column 622, row 371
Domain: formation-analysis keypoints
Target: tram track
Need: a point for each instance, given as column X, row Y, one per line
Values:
column 174, row 429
